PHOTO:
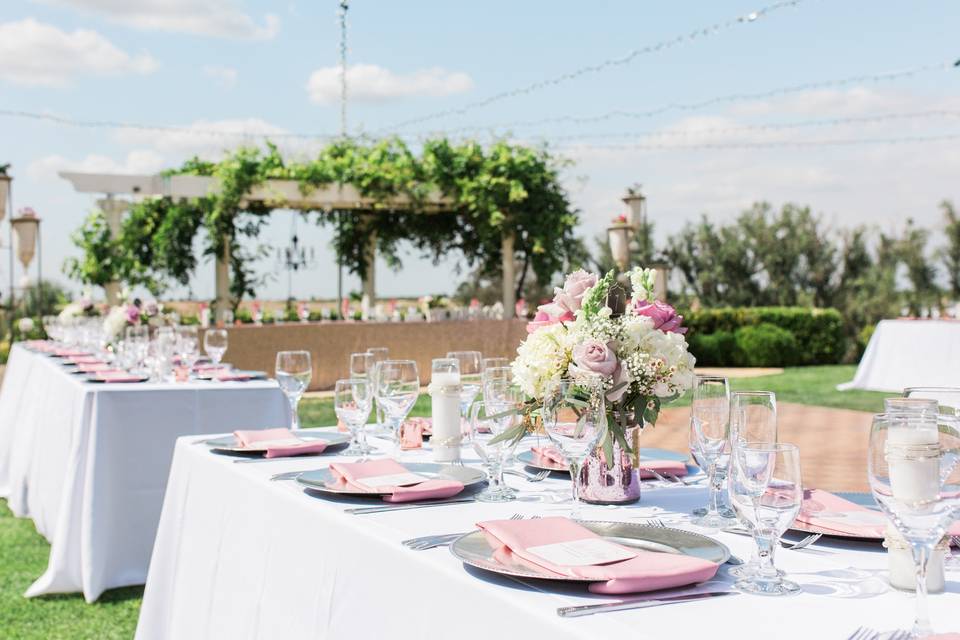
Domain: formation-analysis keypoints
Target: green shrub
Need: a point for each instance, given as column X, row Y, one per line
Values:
column 243, row 316
column 766, row 345
column 819, row 333
column 714, row 349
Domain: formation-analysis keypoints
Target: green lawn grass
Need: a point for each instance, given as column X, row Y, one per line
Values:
column 23, row 553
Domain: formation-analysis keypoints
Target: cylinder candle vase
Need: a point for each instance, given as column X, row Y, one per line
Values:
column 619, row 483
column 445, row 410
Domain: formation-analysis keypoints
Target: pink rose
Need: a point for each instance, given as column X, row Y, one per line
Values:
column 620, row 377
column 570, row 297
column 663, row 315
column 593, row 356
column 548, row 314
column 133, row 314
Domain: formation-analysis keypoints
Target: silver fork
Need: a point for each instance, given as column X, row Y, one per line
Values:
column 864, row 633
column 529, row 477
column 802, row 543
column 663, row 478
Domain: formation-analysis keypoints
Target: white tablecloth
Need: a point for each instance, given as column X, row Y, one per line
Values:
column 239, row 556
column 909, row 353
column 89, row 462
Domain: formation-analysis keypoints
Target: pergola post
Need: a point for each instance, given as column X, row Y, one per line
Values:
column 370, row 279
column 113, row 211
column 509, row 275
column 222, row 278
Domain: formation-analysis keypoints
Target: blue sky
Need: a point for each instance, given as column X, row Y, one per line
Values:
column 234, row 65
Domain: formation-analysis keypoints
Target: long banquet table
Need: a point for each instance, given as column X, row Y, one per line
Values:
column 89, row 462
column 240, row 556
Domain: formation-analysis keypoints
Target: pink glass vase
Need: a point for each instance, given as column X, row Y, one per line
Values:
column 617, row 484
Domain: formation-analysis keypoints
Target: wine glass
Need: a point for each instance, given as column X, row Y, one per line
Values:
column 294, row 372
column 398, row 387
column 471, row 374
column 352, row 400
column 215, row 344
column 766, row 492
column 379, row 355
column 709, row 435
column 753, row 417
column 913, row 465
column 492, row 363
column 361, row 365
column 188, row 348
column 574, row 417
column 487, row 422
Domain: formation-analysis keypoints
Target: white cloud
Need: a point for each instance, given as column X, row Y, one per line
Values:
column 38, row 54
column 219, row 18
column 140, row 161
column 226, row 76
column 373, row 83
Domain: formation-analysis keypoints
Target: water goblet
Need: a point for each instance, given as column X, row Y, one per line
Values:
column 398, row 387
column 575, row 417
column 766, row 491
column 352, row 400
column 187, row 349
column 215, row 344
column 753, row 417
column 294, row 372
column 379, row 355
column 361, row 365
column 913, row 466
column 709, row 431
column 487, row 424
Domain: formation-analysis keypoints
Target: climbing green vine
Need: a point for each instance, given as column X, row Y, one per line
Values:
column 486, row 191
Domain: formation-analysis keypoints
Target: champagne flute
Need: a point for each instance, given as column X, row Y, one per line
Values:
column 766, row 491
column 913, row 465
column 215, row 344
column 361, row 365
column 294, row 372
column 352, row 399
column 574, row 417
column 753, row 417
column 398, row 387
column 379, row 355
column 709, row 434
column 471, row 378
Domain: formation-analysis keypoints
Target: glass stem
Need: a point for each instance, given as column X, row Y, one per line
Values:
column 766, row 546
column 921, row 623
column 496, row 474
column 294, row 416
column 575, row 484
column 714, row 506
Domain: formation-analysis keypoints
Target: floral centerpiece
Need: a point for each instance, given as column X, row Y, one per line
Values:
column 81, row 307
column 131, row 314
column 633, row 343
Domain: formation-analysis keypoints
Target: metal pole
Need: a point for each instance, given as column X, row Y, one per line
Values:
column 339, row 264
column 344, row 6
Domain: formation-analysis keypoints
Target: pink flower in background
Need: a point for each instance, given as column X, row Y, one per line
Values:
column 151, row 309
column 133, row 314
column 663, row 315
column 570, row 297
column 593, row 356
column 545, row 317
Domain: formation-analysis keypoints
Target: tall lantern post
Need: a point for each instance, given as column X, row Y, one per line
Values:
column 26, row 229
column 623, row 238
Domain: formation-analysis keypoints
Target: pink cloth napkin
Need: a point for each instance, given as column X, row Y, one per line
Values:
column 549, row 454
column 412, row 432
column 646, row 571
column 671, row 467
column 116, row 375
column 211, row 368
column 226, row 376
column 350, row 475
column 278, row 443
column 69, row 353
column 823, row 510
column 84, row 359
column 95, row 366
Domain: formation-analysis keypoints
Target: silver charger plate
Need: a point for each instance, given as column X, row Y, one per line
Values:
column 91, row 377
column 254, row 375
column 317, row 480
column 528, row 458
column 474, row 550
column 229, row 444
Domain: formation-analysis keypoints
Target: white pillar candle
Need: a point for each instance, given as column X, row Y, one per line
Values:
column 903, row 573
column 445, row 404
column 914, row 462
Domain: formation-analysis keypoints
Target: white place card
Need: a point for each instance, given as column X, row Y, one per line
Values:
column 393, row 480
column 856, row 518
column 263, row 445
column 582, row 553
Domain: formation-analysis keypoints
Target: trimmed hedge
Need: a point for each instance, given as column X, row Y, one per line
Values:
column 717, row 337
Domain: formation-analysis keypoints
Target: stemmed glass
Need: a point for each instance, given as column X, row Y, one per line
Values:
column 379, row 355
column 766, row 492
column 471, row 374
column 398, row 387
column 913, row 465
column 294, row 372
column 575, row 417
column 352, row 399
column 361, row 365
column 215, row 344
column 487, row 421
column 188, row 348
column 494, row 363
column 709, row 432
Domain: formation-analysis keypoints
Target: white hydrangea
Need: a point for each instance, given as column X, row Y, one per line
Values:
column 542, row 359
column 115, row 322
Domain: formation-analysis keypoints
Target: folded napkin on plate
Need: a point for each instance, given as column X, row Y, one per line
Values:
column 389, row 476
column 70, row 353
column 412, row 432
column 526, row 540
column 83, row 359
column 211, row 368
column 549, row 454
column 232, row 376
column 670, row 467
column 90, row 367
column 277, row 443
column 116, row 375
column 823, row 510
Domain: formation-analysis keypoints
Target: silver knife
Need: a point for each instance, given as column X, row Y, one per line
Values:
column 638, row 603
column 357, row 511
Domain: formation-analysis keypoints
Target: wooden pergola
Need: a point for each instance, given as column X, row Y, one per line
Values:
column 284, row 194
